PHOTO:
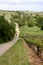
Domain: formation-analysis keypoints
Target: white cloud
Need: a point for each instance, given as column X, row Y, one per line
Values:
column 33, row 0
column 13, row 1
column 19, row 1
column 30, row 7
column 21, row 5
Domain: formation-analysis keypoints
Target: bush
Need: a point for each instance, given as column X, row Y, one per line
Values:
column 31, row 22
column 39, row 20
column 6, row 30
column 17, row 18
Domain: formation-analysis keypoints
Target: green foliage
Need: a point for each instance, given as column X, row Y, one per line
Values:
column 39, row 20
column 33, row 35
column 30, row 30
column 33, row 40
column 6, row 30
column 17, row 18
column 31, row 22
column 41, row 24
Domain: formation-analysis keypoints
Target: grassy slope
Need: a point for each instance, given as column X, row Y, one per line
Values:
column 31, row 30
column 15, row 56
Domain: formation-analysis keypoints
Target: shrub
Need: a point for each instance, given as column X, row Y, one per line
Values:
column 31, row 22
column 39, row 20
column 6, row 30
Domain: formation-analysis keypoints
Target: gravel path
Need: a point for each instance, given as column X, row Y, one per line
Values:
column 4, row 47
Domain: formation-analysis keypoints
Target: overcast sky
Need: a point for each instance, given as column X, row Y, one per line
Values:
column 31, row 5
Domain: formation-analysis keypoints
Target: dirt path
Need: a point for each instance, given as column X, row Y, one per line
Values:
column 32, row 57
column 4, row 47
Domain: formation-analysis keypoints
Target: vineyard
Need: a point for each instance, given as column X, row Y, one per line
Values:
column 30, row 37
column 36, row 43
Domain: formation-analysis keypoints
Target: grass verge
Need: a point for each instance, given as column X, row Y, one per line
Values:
column 16, row 55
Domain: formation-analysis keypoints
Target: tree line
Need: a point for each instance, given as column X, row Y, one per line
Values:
column 28, row 19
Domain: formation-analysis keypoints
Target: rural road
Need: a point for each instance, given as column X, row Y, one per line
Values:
column 4, row 47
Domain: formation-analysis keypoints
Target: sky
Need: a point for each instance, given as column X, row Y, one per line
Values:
column 31, row 5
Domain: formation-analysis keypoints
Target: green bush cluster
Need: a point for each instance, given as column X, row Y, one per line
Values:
column 27, row 19
column 31, row 22
column 7, row 30
column 18, row 18
column 39, row 20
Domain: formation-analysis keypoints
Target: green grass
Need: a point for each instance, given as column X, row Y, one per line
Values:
column 15, row 55
column 30, row 30
column 34, row 35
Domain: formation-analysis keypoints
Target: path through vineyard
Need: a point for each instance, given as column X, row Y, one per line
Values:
column 32, row 57
column 4, row 47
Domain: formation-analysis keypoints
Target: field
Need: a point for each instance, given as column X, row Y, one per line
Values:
column 30, row 30
column 15, row 55
column 34, row 38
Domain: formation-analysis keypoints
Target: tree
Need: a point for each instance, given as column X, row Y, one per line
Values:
column 31, row 22
column 6, row 30
column 39, row 20
column 17, row 18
